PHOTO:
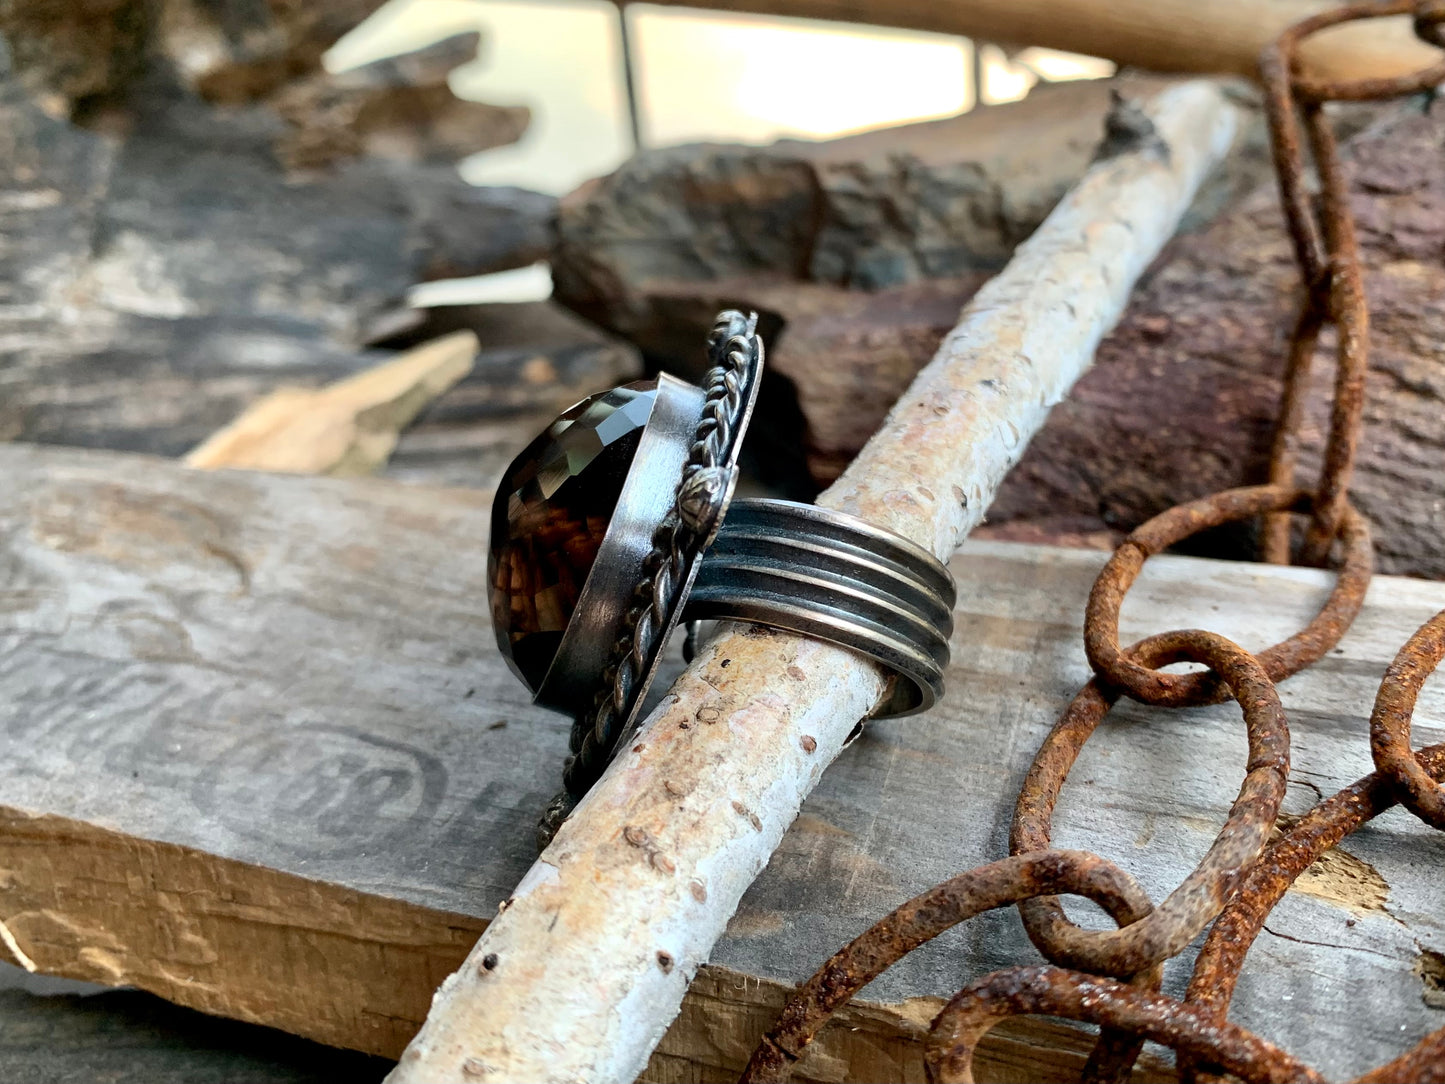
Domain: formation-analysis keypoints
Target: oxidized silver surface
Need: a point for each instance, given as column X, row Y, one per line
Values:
column 679, row 544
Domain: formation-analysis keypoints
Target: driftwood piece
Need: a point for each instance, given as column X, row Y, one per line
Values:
column 401, row 108
column 159, row 286
column 582, row 972
column 115, row 62
column 349, row 427
column 263, row 758
column 98, row 51
column 1219, row 37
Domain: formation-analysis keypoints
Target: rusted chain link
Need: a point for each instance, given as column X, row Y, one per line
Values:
column 1152, row 686
column 1274, row 535
column 1190, row 907
column 1111, row 978
column 1109, row 1003
column 923, row 918
column 1216, row 970
column 1390, row 723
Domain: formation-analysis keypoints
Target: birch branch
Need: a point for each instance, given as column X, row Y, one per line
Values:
column 586, row 965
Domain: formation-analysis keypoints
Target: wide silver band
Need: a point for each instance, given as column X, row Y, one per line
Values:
column 833, row 577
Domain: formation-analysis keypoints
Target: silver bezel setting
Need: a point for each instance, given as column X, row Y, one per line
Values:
column 654, row 604
column 648, row 496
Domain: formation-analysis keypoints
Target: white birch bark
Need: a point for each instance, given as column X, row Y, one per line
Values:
column 581, row 973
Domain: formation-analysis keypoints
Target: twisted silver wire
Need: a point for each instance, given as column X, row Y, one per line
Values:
column 736, row 354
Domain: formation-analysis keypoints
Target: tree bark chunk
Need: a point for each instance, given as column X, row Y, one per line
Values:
column 1183, row 397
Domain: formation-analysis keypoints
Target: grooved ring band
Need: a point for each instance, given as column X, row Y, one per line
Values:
column 837, row 578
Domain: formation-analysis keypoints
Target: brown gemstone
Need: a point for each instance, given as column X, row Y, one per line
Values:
column 550, row 513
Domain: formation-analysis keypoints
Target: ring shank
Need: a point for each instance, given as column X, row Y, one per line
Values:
column 833, row 577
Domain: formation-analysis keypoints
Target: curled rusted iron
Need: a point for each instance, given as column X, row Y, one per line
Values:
column 1305, row 336
column 1325, row 241
column 1217, row 968
column 1429, row 22
column 1189, row 908
column 1111, row 978
column 1390, row 723
column 1075, row 996
column 984, row 888
column 1151, row 685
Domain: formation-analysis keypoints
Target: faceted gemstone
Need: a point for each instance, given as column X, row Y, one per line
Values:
column 550, row 513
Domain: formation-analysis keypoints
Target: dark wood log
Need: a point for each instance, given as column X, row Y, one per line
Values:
column 1183, row 395
column 264, row 759
column 157, row 286
column 857, row 252
column 870, row 211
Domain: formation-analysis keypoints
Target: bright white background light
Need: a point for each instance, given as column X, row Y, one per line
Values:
column 702, row 76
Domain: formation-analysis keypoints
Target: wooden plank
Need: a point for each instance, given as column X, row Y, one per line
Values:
column 263, row 759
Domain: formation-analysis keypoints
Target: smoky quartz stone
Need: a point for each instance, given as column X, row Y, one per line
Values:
column 552, row 510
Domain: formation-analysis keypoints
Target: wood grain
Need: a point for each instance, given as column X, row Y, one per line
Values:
column 253, row 763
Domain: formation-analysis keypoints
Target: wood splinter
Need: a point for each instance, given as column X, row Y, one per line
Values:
column 347, row 428
column 582, row 995
column 17, row 953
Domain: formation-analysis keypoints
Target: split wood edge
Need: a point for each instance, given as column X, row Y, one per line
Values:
column 346, row 428
column 587, row 963
column 249, row 920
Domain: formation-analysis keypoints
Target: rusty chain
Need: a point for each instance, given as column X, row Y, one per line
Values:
column 1112, row 978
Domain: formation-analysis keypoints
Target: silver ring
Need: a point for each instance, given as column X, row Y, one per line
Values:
column 833, row 577
column 599, row 529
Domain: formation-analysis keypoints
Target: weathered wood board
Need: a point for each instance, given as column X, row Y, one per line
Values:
column 262, row 758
